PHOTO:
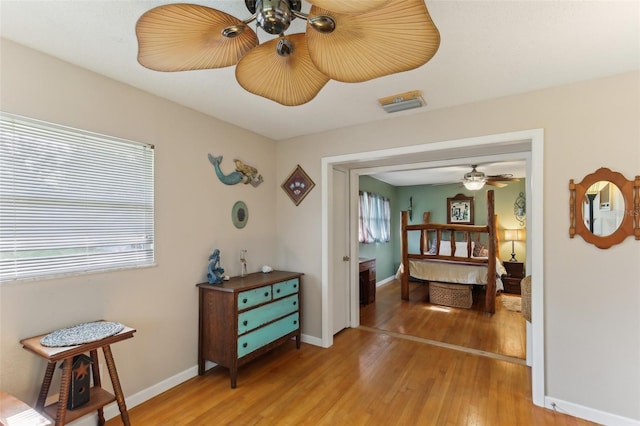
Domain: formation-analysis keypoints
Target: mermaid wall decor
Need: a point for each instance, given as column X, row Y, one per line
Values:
column 243, row 173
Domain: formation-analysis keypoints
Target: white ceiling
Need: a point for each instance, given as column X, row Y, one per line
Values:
column 450, row 174
column 489, row 49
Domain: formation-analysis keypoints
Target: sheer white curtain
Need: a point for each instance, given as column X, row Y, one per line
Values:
column 374, row 218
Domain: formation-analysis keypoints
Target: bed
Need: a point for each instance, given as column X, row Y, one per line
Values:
column 454, row 254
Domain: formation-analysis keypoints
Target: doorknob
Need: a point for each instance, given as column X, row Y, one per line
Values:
column 345, row 258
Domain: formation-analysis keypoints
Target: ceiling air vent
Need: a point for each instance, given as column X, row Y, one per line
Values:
column 402, row 101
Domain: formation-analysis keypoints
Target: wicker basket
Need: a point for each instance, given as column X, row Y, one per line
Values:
column 454, row 295
column 526, row 297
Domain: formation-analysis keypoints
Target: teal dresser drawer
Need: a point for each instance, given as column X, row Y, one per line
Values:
column 249, row 298
column 265, row 335
column 285, row 288
column 248, row 320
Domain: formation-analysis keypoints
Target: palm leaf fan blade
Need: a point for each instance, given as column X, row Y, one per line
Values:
column 182, row 37
column 289, row 80
column 341, row 6
column 397, row 37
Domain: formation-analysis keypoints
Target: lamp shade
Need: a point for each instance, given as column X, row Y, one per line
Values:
column 514, row 234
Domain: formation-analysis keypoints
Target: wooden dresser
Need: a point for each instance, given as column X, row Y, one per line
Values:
column 245, row 317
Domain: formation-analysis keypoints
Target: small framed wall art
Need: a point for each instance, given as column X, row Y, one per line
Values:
column 460, row 210
column 240, row 214
column 298, row 185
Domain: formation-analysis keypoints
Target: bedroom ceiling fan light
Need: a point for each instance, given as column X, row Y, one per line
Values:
column 474, row 180
column 473, row 185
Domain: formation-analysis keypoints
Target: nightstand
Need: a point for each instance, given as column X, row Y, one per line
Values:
column 515, row 273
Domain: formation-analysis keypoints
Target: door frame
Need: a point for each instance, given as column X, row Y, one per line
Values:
column 523, row 141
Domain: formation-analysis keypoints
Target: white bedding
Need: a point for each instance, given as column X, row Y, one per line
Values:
column 452, row 272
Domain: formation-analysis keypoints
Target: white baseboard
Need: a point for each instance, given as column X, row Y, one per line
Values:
column 385, row 281
column 315, row 341
column 587, row 413
column 111, row 410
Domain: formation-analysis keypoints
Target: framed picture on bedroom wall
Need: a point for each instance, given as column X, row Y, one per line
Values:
column 460, row 210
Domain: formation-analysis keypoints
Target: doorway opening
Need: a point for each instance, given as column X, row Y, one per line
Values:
column 486, row 148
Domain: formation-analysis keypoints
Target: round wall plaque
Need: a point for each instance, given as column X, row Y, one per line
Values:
column 240, row 214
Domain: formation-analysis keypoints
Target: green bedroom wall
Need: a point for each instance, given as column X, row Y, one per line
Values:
column 433, row 198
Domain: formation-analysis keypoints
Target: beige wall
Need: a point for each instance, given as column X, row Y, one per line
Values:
column 592, row 296
column 193, row 216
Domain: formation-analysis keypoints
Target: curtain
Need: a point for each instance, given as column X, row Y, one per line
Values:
column 374, row 218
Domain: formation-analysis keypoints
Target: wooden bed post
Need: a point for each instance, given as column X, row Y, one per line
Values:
column 404, row 277
column 490, row 295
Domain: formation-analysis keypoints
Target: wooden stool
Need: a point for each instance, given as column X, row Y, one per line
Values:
column 98, row 396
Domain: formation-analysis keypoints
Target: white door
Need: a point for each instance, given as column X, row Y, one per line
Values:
column 340, row 261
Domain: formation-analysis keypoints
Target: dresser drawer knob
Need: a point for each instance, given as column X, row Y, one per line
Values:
column 278, row 291
column 245, row 344
column 295, row 322
column 295, row 286
column 244, row 300
column 295, row 302
column 266, row 294
column 245, row 322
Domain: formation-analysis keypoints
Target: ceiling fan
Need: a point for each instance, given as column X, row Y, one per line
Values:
column 347, row 41
column 475, row 180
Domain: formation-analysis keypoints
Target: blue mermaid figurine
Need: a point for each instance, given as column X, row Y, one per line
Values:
column 215, row 273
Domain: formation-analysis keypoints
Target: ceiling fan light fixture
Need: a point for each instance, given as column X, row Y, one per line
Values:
column 233, row 30
column 284, row 47
column 348, row 41
column 474, row 180
column 289, row 79
column 322, row 23
column 274, row 16
column 473, row 185
column 341, row 6
column 396, row 37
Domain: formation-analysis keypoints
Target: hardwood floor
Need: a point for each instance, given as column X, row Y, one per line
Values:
column 502, row 333
column 368, row 377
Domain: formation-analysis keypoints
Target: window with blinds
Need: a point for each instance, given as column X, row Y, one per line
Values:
column 72, row 201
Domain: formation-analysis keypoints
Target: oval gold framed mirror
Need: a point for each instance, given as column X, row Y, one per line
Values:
column 604, row 208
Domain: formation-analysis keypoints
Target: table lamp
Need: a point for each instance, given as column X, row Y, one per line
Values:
column 513, row 235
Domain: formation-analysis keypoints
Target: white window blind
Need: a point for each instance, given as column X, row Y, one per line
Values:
column 72, row 201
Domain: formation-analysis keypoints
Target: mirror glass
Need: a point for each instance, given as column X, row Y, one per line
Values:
column 603, row 208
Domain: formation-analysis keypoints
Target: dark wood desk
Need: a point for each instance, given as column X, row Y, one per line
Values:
column 367, row 281
column 98, row 396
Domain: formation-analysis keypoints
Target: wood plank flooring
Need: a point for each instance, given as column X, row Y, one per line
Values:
column 368, row 377
column 501, row 333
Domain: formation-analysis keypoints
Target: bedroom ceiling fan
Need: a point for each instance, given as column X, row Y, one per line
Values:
column 347, row 41
column 475, row 180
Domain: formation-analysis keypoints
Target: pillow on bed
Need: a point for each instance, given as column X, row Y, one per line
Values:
column 461, row 249
column 480, row 250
